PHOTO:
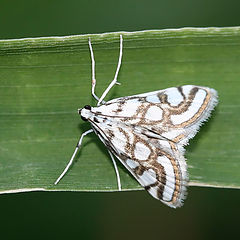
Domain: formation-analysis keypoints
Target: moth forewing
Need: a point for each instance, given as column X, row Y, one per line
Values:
column 160, row 169
column 174, row 113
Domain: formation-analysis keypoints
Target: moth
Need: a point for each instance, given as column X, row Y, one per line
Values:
column 147, row 133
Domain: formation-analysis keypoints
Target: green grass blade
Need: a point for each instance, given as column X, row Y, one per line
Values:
column 43, row 81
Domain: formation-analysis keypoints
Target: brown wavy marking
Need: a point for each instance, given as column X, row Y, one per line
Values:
column 150, row 163
column 178, row 138
column 128, row 145
column 111, row 134
column 160, row 176
column 119, row 107
column 198, row 114
column 177, row 174
column 163, row 98
column 185, row 103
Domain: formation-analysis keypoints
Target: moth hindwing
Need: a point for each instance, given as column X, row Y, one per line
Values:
column 147, row 133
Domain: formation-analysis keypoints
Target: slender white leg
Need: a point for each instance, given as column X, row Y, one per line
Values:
column 93, row 71
column 114, row 81
column 73, row 156
column 116, row 171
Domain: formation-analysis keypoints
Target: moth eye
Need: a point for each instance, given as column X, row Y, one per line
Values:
column 87, row 107
column 83, row 118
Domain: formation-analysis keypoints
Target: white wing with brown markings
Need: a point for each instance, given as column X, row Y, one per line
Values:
column 174, row 113
column 158, row 165
column 147, row 133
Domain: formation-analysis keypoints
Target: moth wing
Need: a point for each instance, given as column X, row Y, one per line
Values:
column 174, row 113
column 158, row 165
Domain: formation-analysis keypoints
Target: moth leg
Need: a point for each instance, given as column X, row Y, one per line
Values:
column 93, row 70
column 114, row 81
column 73, row 156
column 116, row 171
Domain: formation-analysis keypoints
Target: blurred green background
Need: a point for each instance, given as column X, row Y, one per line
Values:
column 28, row 18
column 207, row 214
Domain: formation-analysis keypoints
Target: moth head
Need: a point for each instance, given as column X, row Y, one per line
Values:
column 85, row 112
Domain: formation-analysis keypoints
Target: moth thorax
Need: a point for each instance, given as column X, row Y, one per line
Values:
column 85, row 112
